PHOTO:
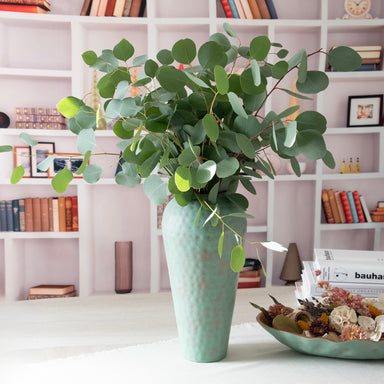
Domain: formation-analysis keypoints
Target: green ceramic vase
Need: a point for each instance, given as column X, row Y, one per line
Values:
column 203, row 284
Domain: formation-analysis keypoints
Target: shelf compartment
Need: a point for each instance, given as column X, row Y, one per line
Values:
column 310, row 8
column 167, row 9
column 336, row 9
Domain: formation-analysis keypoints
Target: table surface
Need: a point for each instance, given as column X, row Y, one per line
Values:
column 105, row 337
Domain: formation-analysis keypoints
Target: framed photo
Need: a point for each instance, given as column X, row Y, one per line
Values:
column 38, row 153
column 71, row 161
column 365, row 111
column 22, row 156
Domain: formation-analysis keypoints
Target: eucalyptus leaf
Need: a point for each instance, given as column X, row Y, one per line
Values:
column 237, row 105
column 92, row 173
column 28, row 139
column 259, row 47
column 344, row 59
column 184, row 51
column 183, row 179
column 155, row 189
column 221, row 79
column 86, row 140
column 227, row 167
column 229, row 30
column 165, row 57
column 17, row 174
column 211, row 127
column 61, row 180
column 237, row 258
column 124, row 50
column 315, row 82
column 6, row 148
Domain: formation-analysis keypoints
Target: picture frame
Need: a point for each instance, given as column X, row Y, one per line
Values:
column 22, row 156
column 39, row 152
column 71, row 161
column 365, row 111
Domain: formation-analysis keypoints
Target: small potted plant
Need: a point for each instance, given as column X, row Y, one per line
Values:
column 198, row 131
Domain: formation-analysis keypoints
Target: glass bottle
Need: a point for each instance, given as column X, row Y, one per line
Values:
column 350, row 166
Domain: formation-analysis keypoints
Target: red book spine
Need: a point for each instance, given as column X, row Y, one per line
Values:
column 227, row 9
column 22, row 8
column 359, row 208
column 347, row 208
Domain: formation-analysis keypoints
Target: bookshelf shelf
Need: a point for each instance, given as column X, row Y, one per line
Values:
column 286, row 209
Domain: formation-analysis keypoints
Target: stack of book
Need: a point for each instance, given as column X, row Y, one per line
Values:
column 249, row 276
column 40, row 214
column 246, row 9
column 29, row 6
column 118, row 8
column 344, row 207
column 359, row 272
column 371, row 57
column 39, row 118
column 50, row 291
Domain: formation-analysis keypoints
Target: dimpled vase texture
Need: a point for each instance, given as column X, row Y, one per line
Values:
column 203, row 284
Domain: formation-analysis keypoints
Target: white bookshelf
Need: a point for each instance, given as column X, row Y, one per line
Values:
column 40, row 63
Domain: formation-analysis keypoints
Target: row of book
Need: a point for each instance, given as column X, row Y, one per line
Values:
column 371, row 56
column 39, row 118
column 344, row 207
column 28, row 6
column 50, row 291
column 40, row 214
column 117, row 8
column 247, row 9
column 359, row 272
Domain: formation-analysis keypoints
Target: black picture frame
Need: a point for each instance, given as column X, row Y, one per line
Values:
column 365, row 111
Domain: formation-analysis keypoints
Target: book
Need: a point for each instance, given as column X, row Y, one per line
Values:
column 226, row 9
column 55, row 214
column 39, row 297
column 233, row 9
column 8, row 208
column 263, row 9
column 22, row 8
column 42, row 3
column 102, row 7
column 352, row 205
column 127, row 8
column 110, row 8
column 119, row 7
column 246, row 9
column 44, row 212
column 240, row 9
column 255, row 9
column 142, row 8
column 28, row 206
column 346, row 206
column 75, row 214
column 94, row 8
column 68, row 214
column 327, row 207
column 359, row 208
column 135, row 8
column 271, row 9
column 15, row 213
column 36, row 214
column 330, row 255
column 367, row 67
column 50, row 213
column 22, row 215
column 332, row 203
column 62, row 220
column 51, row 289
column 365, row 209
column 340, row 207
column 3, row 216
column 86, row 8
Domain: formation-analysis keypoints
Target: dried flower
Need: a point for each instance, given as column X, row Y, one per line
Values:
column 318, row 328
column 303, row 325
column 324, row 317
column 342, row 316
column 279, row 309
column 353, row 332
column 374, row 311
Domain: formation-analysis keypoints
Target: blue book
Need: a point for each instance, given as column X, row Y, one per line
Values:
column 353, row 207
column 8, row 208
column 234, row 9
column 271, row 9
column 15, row 214
column 3, row 216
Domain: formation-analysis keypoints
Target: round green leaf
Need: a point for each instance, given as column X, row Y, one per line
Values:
column 139, row 60
column 70, row 106
column 150, row 68
column 237, row 105
column 245, row 145
column 311, row 120
column 315, row 82
column 184, row 51
column 280, row 69
column 290, row 134
column 211, row 127
column 86, row 140
column 171, row 79
column 259, row 47
column 128, row 176
column 229, row 30
column 165, row 57
column 221, row 79
column 247, row 82
column 282, row 53
column 329, row 160
column 123, row 50
column 61, row 180
column 92, row 173
column 155, row 189
column 311, row 144
column 222, row 40
column 89, row 57
column 189, row 155
column 120, row 131
column 344, row 59
column 206, row 171
column 183, row 179
column 28, row 139
column 211, row 54
column 17, row 174
column 237, row 258
column 227, row 167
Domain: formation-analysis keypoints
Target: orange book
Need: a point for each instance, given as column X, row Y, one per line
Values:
column 68, row 214
column 340, row 207
column 255, row 9
column 110, row 8
column 346, row 206
column 36, row 209
column 263, row 9
column 327, row 207
column 332, row 202
column 62, row 222
column 44, row 212
column 50, row 289
column 75, row 214
column 359, row 208
column 28, row 214
column 94, row 8
column 50, row 213
column 22, row 8
column 102, row 8
column 135, row 8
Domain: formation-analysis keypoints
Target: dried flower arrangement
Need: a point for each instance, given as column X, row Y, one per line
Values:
column 337, row 316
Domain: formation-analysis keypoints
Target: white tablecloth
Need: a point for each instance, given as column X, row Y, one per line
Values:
column 137, row 343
